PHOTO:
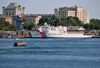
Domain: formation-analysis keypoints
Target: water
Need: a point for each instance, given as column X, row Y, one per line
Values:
column 50, row 53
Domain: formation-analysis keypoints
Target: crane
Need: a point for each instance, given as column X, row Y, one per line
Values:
column 19, row 20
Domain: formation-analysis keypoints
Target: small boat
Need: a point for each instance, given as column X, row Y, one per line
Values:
column 19, row 38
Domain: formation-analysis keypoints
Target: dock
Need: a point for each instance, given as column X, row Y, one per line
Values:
column 96, row 37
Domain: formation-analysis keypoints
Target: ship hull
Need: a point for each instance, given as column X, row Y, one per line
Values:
column 58, row 35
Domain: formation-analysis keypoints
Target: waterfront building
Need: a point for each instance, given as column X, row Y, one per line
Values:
column 75, row 29
column 4, row 19
column 12, row 10
column 45, row 15
column 30, row 18
column 34, row 18
column 64, row 12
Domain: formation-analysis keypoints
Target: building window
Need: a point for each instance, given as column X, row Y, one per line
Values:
column 6, row 13
column 9, row 13
column 81, row 31
column 30, row 21
column 72, row 31
column 75, row 31
column 12, row 13
column 33, row 20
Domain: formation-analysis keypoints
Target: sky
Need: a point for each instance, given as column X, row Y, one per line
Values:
column 48, row 6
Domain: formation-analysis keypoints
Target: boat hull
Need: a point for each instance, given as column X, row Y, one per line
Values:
column 58, row 35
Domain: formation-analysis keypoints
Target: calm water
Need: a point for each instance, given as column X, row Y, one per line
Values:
column 50, row 53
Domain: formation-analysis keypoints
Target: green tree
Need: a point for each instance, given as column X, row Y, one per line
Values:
column 42, row 21
column 72, row 20
column 25, row 25
column 97, row 27
column 6, row 28
column 13, row 28
column 7, row 24
column 61, row 23
column 1, row 28
column 87, row 26
column 46, row 19
column 92, row 26
column 99, row 33
column 30, row 26
column 51, row 23
column 53, row 17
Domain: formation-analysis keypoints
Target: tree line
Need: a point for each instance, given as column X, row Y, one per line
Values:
column 53, row 21
column 9, row 27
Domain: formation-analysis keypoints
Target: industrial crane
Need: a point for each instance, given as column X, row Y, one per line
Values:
column 20, row 19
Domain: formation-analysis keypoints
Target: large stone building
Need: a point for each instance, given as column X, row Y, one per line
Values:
column 12, row 10
column 30, row 18
column 4, row 19
column 65, row 12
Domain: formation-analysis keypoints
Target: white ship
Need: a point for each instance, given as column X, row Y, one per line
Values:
column 47, row 31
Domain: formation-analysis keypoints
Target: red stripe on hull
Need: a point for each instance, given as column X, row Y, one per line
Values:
column 43, row 34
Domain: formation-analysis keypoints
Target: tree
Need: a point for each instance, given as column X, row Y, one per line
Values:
column 92, row 26
column 78, row 21
column 13, row 28
column 71, row 20
column 95, row 23
column 99, row 33
column 53, row 17
column 6, row 24
column 61, row 23
column 25, row 25
column 1, row 28
column 87, row 26
column 30, row 26
column 42, row 21
column 97, row 27
column 51, row 23
column 46, row 19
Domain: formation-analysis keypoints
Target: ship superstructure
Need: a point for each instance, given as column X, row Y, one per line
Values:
column 48, row 31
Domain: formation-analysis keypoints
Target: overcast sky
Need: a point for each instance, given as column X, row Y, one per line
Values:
column 47, row 6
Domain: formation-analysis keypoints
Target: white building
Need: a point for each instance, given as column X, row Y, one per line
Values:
column 65, row 12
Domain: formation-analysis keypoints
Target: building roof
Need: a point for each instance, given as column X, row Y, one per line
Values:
column 72, row 27
column 12, row 6
column 75, row 28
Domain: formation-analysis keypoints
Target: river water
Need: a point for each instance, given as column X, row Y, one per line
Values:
column 50, row 53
